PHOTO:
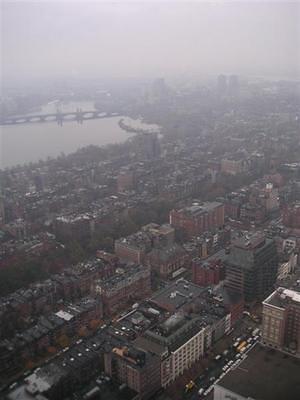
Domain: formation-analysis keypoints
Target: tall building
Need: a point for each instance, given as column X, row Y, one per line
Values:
column 2, row 212
column 281, row 320
column 159, row 87
column 222, row 84
column 233, row 85
column 228, row 85
column 198, row 218
column 251, row 267
column 182, row 340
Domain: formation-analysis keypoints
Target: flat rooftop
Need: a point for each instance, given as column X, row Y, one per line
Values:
column 219, row 255
column 177, row 294
column 176, row 331
column 64, row 315
column 112, row 393
column 157, row 229
column 265, row 374
column 201, row 208
column 138, row 240
column 130, row 271
column 250, row 241
column 281, row 297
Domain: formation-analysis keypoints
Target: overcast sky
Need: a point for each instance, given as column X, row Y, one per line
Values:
column 150, row 38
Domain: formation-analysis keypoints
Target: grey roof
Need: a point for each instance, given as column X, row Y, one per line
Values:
column 265, row 374
column 168, row 252
column 282, row 297
column 178, row 294
column 178, row 333
column 202, row 208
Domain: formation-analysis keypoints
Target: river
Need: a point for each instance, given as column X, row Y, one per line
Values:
column 24, row 143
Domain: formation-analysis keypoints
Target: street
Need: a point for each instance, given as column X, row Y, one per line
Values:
column 208, row 370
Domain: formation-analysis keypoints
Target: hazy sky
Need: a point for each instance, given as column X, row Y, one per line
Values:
column 149, row 38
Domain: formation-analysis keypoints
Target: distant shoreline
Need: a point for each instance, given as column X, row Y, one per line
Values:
column 130, row 129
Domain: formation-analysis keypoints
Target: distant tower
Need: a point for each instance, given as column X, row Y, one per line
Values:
column 159, row 87
column 222, row 84
column 2, row 208
column 2, row 212
column 233, row 85
column 158, row 91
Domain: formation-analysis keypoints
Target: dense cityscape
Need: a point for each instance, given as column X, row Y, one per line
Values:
column 167, row 262
column 150, row 201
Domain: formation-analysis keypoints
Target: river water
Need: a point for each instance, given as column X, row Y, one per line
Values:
column 24, row 143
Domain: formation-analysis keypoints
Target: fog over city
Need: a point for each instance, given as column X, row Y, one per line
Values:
column 149, row 38
column 150, row 200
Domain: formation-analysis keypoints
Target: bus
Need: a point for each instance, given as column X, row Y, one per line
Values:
column 241, row 346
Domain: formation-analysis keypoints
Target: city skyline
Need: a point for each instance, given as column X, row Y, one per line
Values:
column 103, row 39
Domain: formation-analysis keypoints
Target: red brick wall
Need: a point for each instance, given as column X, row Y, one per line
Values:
column 199, row 224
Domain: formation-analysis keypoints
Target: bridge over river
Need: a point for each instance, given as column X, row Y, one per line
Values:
column 59, row 117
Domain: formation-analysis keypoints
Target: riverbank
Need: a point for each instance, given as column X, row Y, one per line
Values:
column 137, row 130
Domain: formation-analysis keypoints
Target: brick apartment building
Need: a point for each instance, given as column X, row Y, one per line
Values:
column 135, row 247
column 206, row 273
column 231, row 166
column 166, row 260
column 281, row 320
column 198, row 218
column 129, row 285
column 155, row 246
column 232, row 207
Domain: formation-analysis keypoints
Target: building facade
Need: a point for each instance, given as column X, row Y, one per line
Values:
column 251, row 267
column 281, row 320
column 198, row 218
column 137, row 369
column 207, row 273
column 291, row 216
column 131, row 284
column 184, row 338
